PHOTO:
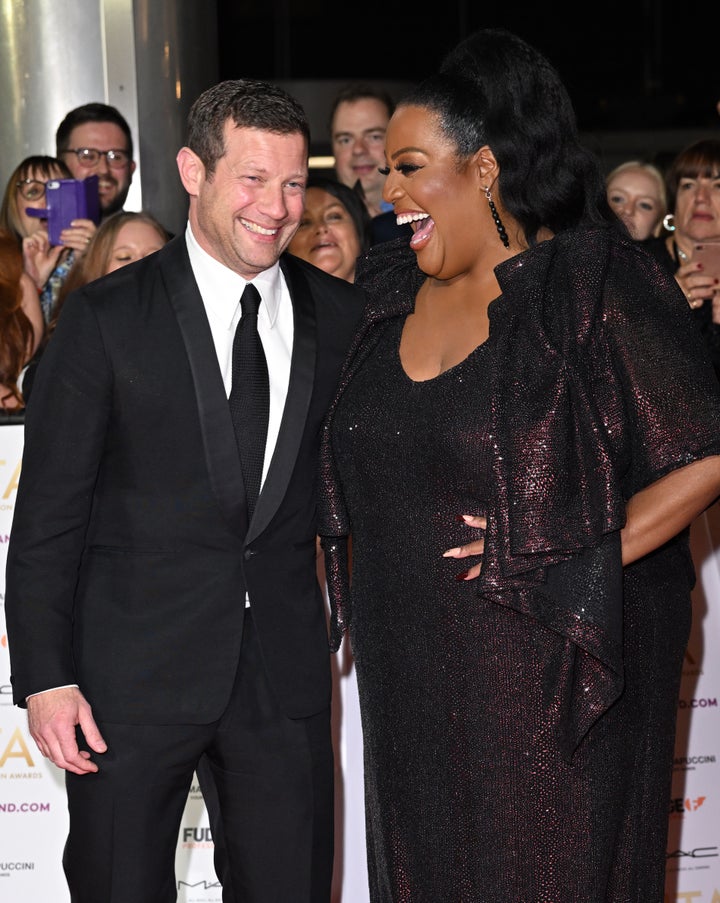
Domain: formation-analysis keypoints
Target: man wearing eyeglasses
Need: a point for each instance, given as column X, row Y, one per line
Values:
column 95, row 140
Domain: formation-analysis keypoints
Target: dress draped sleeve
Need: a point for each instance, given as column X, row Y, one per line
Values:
column 585, row 414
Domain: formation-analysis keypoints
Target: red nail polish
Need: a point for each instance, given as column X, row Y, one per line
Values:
column 460, row 518
column 462, row 576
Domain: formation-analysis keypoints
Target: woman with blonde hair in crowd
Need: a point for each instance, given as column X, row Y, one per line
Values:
column 123, row 238
column 636, row 192
column 21, row 322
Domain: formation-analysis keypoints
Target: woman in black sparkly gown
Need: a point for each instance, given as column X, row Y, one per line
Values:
column 525, row 429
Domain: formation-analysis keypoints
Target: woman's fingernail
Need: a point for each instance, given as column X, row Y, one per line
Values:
column 460, row 518
column 451, row 553
column 462, row 575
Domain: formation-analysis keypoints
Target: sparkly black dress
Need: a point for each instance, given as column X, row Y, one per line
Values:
column 518, row 729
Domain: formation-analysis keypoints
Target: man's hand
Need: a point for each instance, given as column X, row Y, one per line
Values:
column 52, row 718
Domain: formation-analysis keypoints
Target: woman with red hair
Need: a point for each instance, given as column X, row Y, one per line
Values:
column 21, row 322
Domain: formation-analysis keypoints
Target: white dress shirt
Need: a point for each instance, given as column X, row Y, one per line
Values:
column 221, row 290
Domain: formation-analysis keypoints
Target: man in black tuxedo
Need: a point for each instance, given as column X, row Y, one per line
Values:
column 152, row 622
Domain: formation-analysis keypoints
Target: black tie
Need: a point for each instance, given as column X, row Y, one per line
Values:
column 250, row 395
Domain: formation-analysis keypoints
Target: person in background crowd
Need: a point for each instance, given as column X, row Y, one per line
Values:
column 525, row 429
column 95, row 140
column 121, row 239
column 693, row 186
column 46, row 265
column 636, row 192
column 124, row 238
column 359, row 116
column 162, row 602
column 334, row 229
column 21, row 322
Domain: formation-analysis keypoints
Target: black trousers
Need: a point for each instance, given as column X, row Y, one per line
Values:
column 268, row 786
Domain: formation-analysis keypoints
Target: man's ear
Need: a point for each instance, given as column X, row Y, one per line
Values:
column 191, row 169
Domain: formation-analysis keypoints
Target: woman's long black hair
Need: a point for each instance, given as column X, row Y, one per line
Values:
column 495, row 89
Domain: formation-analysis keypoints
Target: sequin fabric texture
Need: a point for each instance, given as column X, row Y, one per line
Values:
column 503, row 760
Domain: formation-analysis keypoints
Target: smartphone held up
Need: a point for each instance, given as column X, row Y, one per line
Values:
column 708, row 253
column 67, row 200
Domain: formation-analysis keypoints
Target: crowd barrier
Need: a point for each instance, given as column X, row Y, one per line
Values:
column 33, row 813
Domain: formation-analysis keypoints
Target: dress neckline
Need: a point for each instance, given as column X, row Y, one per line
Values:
column 432, row 379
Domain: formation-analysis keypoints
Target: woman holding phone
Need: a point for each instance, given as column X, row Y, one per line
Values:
column 47, row 265
column 690, row 249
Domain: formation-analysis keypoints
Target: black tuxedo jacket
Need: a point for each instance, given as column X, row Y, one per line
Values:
column 130, row 551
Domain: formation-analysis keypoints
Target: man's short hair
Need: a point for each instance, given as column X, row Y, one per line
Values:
column 360, row 91
column 91, row 112
column 248, row 104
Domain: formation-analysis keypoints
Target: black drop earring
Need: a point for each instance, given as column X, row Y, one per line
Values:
column 498, row 222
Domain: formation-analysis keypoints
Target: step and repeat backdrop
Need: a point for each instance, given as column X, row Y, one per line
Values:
column 33, row 813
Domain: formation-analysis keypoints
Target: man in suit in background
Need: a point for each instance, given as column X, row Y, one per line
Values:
column 154, row 621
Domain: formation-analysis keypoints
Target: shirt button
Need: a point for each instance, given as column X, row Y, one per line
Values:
column 248, row 554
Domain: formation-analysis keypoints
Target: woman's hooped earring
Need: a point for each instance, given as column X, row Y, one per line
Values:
column 496, row 217
column 669, row 222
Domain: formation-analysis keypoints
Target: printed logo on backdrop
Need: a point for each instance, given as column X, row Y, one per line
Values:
column 6, row 694
column 206, row 890
column 7, row 869
column 695, row 704
column 693, row 859
column 16, row 761
column 9, row 476
column 695, row 853
column 23, row 808
column 197, row 838
column 692, row 763
column 683, row 806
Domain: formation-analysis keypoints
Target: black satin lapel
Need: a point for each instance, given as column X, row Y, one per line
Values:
column 221, row 451
column 300, row 389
